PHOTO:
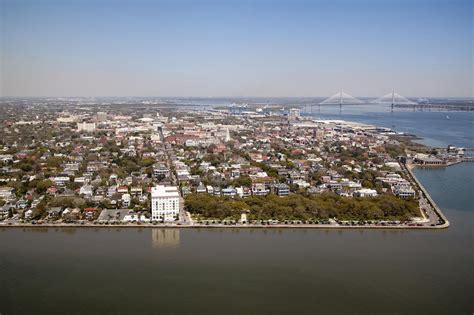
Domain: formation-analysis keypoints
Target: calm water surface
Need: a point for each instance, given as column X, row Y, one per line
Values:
column 253, row 271
column 437, row 128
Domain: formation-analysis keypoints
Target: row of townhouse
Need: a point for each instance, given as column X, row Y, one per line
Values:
column 257, row 189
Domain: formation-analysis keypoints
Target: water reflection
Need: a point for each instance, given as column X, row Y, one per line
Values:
column 165, row 238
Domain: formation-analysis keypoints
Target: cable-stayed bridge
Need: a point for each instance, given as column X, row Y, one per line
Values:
column 392, row 100
column 342, row 98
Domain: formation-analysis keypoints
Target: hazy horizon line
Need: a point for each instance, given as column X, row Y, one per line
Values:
column 209, row 97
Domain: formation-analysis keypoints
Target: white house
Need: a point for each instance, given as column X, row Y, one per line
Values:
column 7, row 193
column 6, row 158
column 28, row 214
column 85, row 126
column 259, row 189
column 80, row 180
column 210, row 189
column 365, row 192
column 201, row 188
column 404, row 191
column 126, row 200
column 86, row 190
column 61, row 179
column 135, row 218
column 164, row 203
column 294, row 113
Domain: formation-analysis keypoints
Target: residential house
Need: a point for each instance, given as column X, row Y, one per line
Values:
column 201, row 188
column 136, row 191
column 90, row 213
column 365, row 192
column 282, row 189
column 7, row 193
column 126, row 200
column 229, row 191
column 61, row 179
column 259, row 189
column 54, row 213
column 86, row 190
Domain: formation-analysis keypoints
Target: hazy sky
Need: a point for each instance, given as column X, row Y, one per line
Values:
column 236, row 48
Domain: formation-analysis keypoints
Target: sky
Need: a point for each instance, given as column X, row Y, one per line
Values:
column 419, row 48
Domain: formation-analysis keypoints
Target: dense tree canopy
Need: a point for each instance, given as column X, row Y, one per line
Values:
column 321, row 206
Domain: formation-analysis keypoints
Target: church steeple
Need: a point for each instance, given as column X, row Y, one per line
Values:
column 227, row 135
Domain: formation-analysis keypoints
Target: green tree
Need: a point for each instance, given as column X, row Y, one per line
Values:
column 147, row 161
column 43, row 185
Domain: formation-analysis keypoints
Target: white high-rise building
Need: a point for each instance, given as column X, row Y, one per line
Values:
column 85, row 126
column 294, row 113
column 164, row 203
column 101, row 116
column 227, row 135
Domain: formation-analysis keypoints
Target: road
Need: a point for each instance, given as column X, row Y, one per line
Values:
column 426, row 207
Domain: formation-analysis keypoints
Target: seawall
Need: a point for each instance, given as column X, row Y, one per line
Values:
column 428, row 197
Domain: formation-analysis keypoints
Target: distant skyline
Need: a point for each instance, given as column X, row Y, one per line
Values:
column 419, row 48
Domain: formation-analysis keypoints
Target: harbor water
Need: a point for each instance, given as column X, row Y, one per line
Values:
column 258, row 271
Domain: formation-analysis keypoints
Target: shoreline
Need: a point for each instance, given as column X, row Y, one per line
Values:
column 433, row 204
column 217, row 226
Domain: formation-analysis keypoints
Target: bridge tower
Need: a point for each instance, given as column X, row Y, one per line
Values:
column 392, row 99
column 340, row 101
column 341, row 98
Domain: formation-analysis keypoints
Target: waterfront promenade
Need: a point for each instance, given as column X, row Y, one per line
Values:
column 226, row 226
column 427, row 204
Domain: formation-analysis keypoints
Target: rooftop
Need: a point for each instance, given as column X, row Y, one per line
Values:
column 164, row 191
